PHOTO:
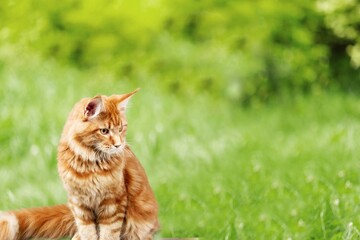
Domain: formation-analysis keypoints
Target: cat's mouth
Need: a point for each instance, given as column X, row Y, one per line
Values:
column 116, row 150
column 111, row 150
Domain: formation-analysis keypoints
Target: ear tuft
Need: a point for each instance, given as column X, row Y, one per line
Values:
column 123, row 99
column 93, row 108
column 126, row 97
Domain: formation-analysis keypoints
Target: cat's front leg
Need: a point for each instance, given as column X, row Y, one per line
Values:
column 134, row 230
column 85, row 222
column 76, row 237
column 110, row 218
column 86, row 230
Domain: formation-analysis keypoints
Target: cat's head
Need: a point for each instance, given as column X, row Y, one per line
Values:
column 96, row 127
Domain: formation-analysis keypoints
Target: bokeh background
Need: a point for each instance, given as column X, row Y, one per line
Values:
column 247, row 122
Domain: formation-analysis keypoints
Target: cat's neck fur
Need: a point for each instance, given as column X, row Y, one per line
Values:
column 101, row 162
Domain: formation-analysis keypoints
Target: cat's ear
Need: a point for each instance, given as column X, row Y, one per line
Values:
column 123, row 99
column 93, row 108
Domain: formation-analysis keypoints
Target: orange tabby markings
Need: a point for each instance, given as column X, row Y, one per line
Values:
column 109, row 196
column 92, row 167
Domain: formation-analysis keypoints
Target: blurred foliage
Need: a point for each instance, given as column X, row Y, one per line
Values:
column 243, row 50
column 343, row 17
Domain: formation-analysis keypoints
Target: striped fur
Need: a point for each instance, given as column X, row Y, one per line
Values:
column 109, row 196
column 46, row 222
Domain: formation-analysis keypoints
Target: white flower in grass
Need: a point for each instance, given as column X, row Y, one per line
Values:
column 34, row 150
column 341, row 174
column 257, row 168
column 294, row 212
column 309, row 178
column 262, row 217
column 301, row 223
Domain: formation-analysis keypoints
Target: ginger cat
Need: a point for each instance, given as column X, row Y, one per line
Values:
column 109, row 196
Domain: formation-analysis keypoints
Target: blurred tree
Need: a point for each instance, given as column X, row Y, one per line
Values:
column 243, row 50
column 343, row 17
column 275, row 45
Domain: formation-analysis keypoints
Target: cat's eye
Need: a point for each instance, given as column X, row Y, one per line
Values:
column 104, row 131
column 121, row 128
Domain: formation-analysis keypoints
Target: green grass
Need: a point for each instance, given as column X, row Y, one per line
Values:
column 287, row 170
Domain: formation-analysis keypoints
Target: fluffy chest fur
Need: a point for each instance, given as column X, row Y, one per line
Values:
column 91, row 181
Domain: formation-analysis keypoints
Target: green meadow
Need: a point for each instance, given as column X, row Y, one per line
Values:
column 247, row 121
column 282, row 170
